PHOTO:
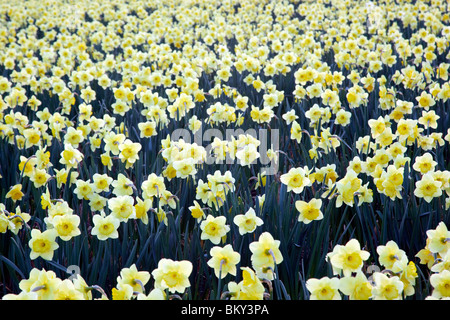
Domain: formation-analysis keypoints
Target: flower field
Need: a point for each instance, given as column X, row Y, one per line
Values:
column 235, row 150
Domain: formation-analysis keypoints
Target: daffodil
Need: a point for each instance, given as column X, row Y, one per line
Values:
column 59, row 208
column 426, row 256
column 247, row 155
column 424, row 164
column 425, row 100
column 136, row 279
column 155, row 294
column 43, row 282
column 66, row 226
column 197, row 211
column 309, row 211
column 296, row 131
column 39, row 177
column 6, row 223
column 141, row 209
column 185, row 167
column 43, row 244
column 83, row 189
column 73, row 137
column 266, row 250
column 438, row 239
column 428, row 188
column 296, row 179
column 224, row 260
column 250, row 288
column 323, row 289
column 348, row 258
column 17, row 220
column 441, row 284
column 407, row 272
column 147, row 129
column 153, row 186
column 122, row 292
column 67, row 291
column 290, row 116
column 122, row 186
column 122, row 207
column 129, row 152
column 356, row 287
column 377, row 126
column 214, row 228
column 172, row 275
column 105, row 227
column 23, row 295
column 81, row 285
column 97, row 202
column 386, row 288
column 101, row 182
column 347, row 187
column 389, row 254
column 247, row 222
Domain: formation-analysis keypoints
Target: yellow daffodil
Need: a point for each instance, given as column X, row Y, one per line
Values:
column 323, row 289
column 43, row 244
column 224, row 260
column 172, row 275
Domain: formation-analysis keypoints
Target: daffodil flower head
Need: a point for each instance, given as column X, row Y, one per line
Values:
column 309, row 211
column 129, row 152
column 105, row 227
column 141, row 209
column 296, row 179
column 67, row 291
column 5, row 223
column 390, row 253
column 42, row 282
column 155, row 294
column 386, row 288
column 122, row 207
column 324, row 288
column 266, row 250
column 347, row 187
column 136, row 279
column 224, row 260
column 197, row 211
column 153, row 186
column 441, row 284
column 17, row 220
column 214, row 228
column 251, row 287
column 356, row 287
column 83, row 189
column 122, row 186
column 247, row 222
column 296, row 131
column 425, row 163
column 43, row 244
column 428, row 187
column 122, row 292
column 81, row 285
column 407, row 272
column 439, row 239
column 66, row 226
column 15, row 193
column 101, row 182
column 172, row 275
column 348, row 258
